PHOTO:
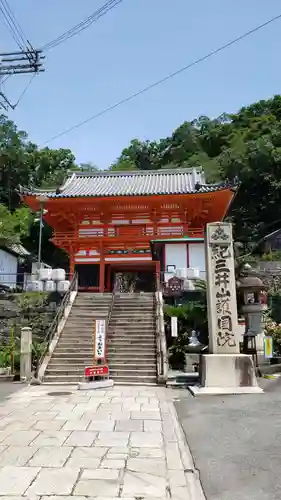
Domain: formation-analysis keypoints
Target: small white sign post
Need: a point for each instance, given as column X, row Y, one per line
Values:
column 100, row 369
column 100, row 333
column 174, row 326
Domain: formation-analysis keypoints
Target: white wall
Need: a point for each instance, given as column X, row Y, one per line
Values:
column 196, row 253
column 176, row 255
column 8, row 268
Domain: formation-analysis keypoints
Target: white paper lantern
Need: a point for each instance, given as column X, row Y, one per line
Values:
column 28, row 287
column 58, row 275
column 45, row 274
column 192, row 273
column 63, row 286
column 178, row 272
column 50, row 286
column 37, row 286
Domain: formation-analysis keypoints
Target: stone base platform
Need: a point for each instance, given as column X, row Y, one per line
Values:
column 226, row 374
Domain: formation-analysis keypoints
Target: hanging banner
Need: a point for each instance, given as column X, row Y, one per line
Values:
column 99, row 339
column 174, row 326
column 268, row 347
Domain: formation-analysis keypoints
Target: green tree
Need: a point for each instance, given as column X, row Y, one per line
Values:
column 13, row 226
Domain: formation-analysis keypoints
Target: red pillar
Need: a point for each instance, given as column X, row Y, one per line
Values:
column 71, row 265
column 101, row 285
column 108, row 278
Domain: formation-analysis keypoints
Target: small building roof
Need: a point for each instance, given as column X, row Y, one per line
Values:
column 136, row 183
column 17, row 249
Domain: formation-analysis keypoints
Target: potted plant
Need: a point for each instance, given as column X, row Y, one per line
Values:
column 5, row 360
column 177, row 352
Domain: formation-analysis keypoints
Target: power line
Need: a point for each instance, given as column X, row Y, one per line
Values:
column 166, row 78
column 6, row 104
column 14, row 21
column 10, row 26
column 109, row 5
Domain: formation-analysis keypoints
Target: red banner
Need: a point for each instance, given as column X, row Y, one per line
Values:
column 96, row 371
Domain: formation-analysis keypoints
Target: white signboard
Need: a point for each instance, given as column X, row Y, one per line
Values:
column 174, row 326
column 100, row 333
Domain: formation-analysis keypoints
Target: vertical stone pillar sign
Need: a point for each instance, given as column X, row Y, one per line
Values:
column 224, row 370
column 25, row 354
column 221, row 290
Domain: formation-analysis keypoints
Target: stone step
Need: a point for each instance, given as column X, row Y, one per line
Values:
column 73, row 349
column 79, row 371
column 133, row 316
column 132, row 321
column 131, row 338
column 133, row 307
column 146, row 367
column 94, row 300
column 88, row 361
column 133, row 343
column 71, row 345
column 130, row 348
column 114, row 356
column 135, row 379
column 58, row 379
column 84, row 316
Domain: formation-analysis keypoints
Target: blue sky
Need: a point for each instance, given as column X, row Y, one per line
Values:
column 137, row 43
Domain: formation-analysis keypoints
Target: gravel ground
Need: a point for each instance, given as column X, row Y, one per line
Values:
column 236, row 442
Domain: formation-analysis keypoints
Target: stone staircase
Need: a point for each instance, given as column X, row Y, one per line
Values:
column 131, row 339
column 75, row 348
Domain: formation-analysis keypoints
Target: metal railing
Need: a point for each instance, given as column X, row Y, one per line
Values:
column 13, row 282
column 161, row 345
column 116, row 288
column 53, row 328
column 20, row 282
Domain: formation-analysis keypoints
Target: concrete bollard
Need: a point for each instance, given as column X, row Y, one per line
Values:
column 26, row 354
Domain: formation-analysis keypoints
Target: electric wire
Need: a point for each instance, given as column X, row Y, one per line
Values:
column 166, row 78
column 14, row 21
column 24, row 91
column 10, row 25
column 108, row 6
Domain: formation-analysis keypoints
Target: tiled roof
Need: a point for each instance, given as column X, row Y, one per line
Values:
column 140, row 183
column 18, row 250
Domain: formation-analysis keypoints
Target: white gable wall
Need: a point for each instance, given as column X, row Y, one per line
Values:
column 8, row 268
column 196, row 257
column 176, row 255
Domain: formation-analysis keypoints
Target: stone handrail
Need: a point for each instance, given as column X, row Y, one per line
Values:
column 161, row 346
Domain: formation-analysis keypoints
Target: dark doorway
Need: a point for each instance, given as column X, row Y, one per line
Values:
column 88, row 275
column 136, row 281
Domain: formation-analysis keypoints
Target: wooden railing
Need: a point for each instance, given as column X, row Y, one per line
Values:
column 161, row 346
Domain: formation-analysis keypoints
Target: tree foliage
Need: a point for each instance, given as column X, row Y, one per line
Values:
column 13, row 226
column 246, row 144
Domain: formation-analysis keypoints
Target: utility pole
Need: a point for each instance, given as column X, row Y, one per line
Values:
column 23, row 62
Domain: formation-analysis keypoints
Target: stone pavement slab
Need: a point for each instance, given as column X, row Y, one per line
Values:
column 123, row 442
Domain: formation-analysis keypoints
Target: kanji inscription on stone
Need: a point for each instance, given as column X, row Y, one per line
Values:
column 221, row 291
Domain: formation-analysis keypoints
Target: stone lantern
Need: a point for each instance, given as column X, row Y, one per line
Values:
column 251, row 290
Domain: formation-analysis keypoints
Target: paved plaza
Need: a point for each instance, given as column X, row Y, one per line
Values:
column 124, row 442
